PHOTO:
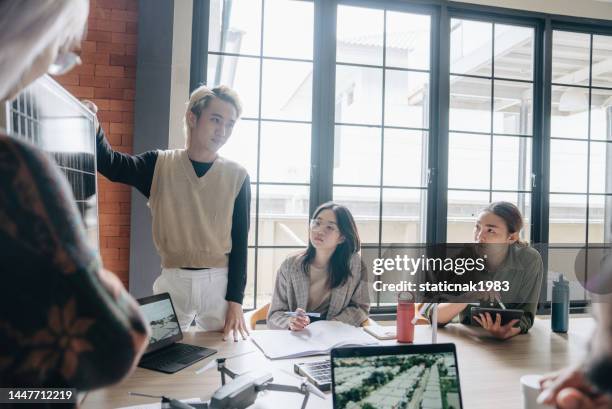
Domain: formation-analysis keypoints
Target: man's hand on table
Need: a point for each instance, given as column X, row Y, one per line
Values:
column 234, row 322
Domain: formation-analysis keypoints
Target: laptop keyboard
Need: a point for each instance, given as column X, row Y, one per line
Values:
column 175, row 357
column 317, row 372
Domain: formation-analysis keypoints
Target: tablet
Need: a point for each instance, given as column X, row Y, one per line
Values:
column 506, row 315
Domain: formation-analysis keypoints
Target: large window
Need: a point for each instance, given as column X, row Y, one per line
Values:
column 490, row 121
column 263, row 49
column 580, row 150
column 417, row 115
column 381, row 127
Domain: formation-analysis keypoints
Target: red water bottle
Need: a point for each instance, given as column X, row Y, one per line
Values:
column 405, row 315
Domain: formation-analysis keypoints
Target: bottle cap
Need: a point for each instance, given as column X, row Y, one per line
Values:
column 405, row 296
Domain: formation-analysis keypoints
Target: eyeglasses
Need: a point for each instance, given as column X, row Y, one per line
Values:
column 327, row 227
column 63, row 63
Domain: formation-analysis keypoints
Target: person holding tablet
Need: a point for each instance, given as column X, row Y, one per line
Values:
column 508, row 259
column 327, row 279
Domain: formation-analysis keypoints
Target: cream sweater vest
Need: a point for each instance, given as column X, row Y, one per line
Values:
column 192, row 217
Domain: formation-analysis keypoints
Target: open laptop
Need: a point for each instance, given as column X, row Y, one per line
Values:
column 402, row 376
column 164, row 353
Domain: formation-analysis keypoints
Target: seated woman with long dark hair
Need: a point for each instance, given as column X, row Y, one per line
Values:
column 327, row 278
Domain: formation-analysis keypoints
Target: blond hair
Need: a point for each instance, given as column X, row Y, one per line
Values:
column 201, row 97
column 29, row 27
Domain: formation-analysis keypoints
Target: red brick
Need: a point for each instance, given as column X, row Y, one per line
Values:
column 129, row 94
column 130, row 72
column 127, row 140
column 126, row 60
column 132, row 5
column 125, row 149
column 118, row 196
column 114, row 220
column 118, row 242
column 95, row 35
column 124, row 15
column 88, row 46
column 100, row 13
column 113, row 139
column 127, row 117
column 84, row 69
column 117, row 105
column 113, row 48
column 69, row 79
column 110, row 254
column 122, row 83
column 109, row 231
column 112, row 4
column 102, row 104
column 96, row 58
column 108, row 186
column 107, row 71
column 80, row 92
column 108, row 93
column 130, row 49
column 121, row 128
column 124, row 254
column 97, row 82
column 124, row 231
column 115, row 266
column 110, row 116
column 108, row 208
column 110, row 25
column 123, row 38
column 131, row 28
column 124, row 208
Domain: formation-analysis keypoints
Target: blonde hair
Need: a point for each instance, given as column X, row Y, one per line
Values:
column 201, row 97
column 29, row 27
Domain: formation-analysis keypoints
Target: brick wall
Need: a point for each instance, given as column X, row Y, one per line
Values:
column 108, row 77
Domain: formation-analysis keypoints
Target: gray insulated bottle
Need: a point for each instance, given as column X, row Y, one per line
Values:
column 560, row 305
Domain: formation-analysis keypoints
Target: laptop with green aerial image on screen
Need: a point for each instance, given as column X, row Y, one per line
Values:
column 396, row 377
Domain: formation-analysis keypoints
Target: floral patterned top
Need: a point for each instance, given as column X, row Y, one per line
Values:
column 64, row 320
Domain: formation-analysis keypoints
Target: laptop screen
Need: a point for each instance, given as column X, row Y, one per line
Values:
column 159, row 312
column 414, row 376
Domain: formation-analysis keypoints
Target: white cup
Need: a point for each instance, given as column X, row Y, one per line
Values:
column 530, row 386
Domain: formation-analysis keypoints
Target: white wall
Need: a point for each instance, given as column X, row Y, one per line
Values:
column 600, row 9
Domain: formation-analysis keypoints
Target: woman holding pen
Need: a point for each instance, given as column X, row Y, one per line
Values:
column 327, row 280
column 497, row 229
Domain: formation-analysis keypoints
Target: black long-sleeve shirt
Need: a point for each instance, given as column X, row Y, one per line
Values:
column 137, row 171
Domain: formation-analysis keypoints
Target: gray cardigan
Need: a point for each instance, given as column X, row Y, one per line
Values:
column 349, row 303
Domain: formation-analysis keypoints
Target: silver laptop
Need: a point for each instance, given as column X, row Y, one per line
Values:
column 165, row 353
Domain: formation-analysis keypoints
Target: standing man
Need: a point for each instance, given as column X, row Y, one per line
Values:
column 200, row 204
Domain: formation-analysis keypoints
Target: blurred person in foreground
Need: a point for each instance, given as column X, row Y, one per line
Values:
column 65, row 322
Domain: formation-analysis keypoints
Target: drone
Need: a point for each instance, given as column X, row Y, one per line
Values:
column 241, row 392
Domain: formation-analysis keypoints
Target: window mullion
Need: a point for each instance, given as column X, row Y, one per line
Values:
column 323, row 102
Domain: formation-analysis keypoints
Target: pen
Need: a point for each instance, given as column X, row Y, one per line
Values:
column 296, row 314
column 501, row 304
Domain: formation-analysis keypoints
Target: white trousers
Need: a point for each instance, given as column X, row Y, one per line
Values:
column 198, row 294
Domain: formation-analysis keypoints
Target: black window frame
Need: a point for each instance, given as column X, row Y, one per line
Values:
column 441, row 12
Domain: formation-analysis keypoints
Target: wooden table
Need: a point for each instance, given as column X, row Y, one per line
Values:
column 489, row 369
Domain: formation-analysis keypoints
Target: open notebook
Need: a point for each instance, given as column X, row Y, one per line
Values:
column 316, row 339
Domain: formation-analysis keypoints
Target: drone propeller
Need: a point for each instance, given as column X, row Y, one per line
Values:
column 172, row 403
column 311, row 388
column 213, row 363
